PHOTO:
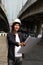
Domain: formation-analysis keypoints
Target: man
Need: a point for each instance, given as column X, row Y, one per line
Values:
column 15, row 38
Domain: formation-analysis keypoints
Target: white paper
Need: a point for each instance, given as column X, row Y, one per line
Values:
column 30, row 42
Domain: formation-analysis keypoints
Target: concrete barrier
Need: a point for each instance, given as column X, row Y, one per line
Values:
column 3, row 49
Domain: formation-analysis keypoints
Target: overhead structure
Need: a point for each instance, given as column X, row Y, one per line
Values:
column 4, row 25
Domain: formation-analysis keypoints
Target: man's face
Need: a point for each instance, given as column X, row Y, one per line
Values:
column 16, row 27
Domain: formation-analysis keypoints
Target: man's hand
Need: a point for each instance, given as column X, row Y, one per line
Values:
column 22, row 44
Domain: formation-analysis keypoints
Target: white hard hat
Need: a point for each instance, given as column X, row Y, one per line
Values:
column 17, row 21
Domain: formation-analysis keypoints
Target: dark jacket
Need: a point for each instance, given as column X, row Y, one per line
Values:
column 12, row 43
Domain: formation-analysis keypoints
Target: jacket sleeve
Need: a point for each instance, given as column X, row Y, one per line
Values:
column 11, row 40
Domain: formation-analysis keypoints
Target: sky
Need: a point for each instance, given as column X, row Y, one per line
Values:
column 13, row 8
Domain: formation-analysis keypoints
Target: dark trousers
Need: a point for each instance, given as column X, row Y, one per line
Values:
column 11, row 62
column 18, row 61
